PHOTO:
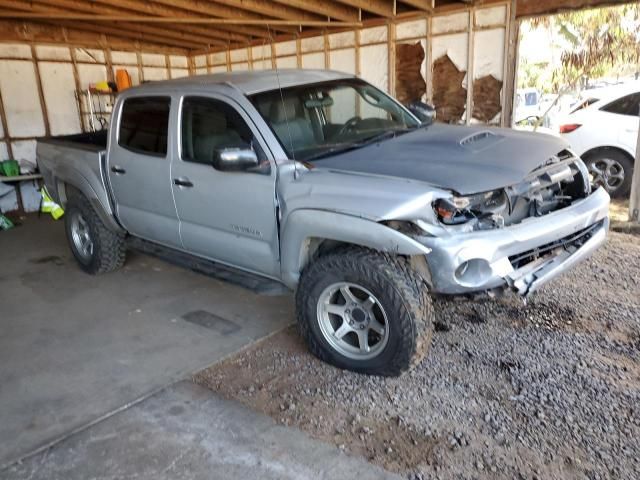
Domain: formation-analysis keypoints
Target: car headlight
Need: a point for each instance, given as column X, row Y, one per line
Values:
column 455, row 210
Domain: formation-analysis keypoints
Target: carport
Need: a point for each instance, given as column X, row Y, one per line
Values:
column 76, row 350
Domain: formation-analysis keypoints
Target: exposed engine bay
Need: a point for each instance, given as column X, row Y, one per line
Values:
column 553, row 186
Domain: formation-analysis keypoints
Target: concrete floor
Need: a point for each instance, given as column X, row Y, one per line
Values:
column 75, row 347
column 187, row 432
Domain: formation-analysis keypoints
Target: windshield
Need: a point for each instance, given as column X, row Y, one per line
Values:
column 312, row 121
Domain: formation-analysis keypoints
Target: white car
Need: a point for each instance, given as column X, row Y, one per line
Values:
column 603, row 130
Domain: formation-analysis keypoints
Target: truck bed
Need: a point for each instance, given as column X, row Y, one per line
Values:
column 75, row 161
column 93, row 141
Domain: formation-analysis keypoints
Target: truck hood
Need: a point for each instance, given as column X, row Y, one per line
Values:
column 465, row 160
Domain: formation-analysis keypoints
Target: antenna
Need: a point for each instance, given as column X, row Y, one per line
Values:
column 284, row 109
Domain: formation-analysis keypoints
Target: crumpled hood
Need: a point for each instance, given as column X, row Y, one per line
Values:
column 466, row 160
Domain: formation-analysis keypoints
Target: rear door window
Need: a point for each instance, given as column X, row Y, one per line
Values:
column 628, row 105
column 144, row 124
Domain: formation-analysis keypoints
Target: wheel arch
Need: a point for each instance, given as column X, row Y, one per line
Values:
column 309, row 233
column 605, row 148
column 66, row 190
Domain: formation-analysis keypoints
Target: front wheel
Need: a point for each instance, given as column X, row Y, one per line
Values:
column 364, row 311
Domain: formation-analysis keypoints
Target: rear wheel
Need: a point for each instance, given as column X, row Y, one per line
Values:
column 364, row 311
column 612, row 170
column 96, row 248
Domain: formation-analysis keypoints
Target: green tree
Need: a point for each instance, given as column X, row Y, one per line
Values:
column 598, row 42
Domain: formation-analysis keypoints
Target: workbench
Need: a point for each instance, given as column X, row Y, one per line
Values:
column 17, row 179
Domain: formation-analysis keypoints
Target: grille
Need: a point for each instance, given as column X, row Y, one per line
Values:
column 574, row 240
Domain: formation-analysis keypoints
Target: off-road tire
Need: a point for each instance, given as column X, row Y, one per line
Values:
column 109, row 250
column 399, row 290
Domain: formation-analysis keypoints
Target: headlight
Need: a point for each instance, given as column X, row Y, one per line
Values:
column 456, row 210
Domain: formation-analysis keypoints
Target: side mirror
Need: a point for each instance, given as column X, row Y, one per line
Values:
column 426, row 113
column 235, row 159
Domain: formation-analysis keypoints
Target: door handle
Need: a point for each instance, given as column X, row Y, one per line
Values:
column 182, row 182
column 118, row 170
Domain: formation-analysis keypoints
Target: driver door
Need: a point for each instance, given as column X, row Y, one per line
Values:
column 229, row 217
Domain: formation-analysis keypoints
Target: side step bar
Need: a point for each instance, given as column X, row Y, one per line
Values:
column 250, row 281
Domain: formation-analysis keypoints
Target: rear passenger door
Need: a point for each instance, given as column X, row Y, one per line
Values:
column 139, row 169
column 623, row 116
column 225, row 216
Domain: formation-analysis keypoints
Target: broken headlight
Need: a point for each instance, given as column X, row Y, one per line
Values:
column 456, row 210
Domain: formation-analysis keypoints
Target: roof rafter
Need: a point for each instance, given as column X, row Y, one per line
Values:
column 273, row 9
column 426, row 5
column 328, row 8
column 142, row 19
column 217, row 10
column 33, row 32
column 379, row 7
column 95, row 8
column 168, row 10
column 151, row 33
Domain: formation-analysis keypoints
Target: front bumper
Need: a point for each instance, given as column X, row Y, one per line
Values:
column 523, row 256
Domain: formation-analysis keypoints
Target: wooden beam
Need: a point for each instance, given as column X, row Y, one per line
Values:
column 188, row 20
column 424, row 5
column 76, row 80
column 5, row 128
column 49, row 14
column 240, row 34
column 96, row 8
column 47, row 34
column 391, row 59
column 218, row 10
column 511, row 60
column 272, row 9
column 125, row 31
column 470, row 68
column 175, row 8
column 379, row 7
column 43, row 103
column 327, row 8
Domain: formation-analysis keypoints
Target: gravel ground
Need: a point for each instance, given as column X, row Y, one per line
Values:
column 547, row 390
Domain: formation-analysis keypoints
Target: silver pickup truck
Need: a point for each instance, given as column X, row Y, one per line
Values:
column 323, row 183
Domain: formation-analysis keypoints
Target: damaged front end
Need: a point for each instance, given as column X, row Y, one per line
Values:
column 521, row 236
column 552, row 186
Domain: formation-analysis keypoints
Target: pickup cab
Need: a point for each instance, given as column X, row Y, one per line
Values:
column 326, row 185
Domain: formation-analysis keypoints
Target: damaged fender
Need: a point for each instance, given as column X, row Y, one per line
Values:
column 304, row 226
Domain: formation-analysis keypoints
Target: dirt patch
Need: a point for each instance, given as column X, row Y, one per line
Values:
column 449, row 97
column 545, row 390
column 410, row 85
column 486, row 98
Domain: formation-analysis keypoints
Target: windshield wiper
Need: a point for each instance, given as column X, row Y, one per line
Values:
column 362, row 143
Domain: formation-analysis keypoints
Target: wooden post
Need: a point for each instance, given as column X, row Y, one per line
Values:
column 167, row 65
column 140, row 69
column 391, row 58
column 5, row 128
column 634, row 200
column 510, row 75
column 76, row 79
column 43, row 103
column 470, row 69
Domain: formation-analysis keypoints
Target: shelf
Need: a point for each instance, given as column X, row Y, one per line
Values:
column 86, row 92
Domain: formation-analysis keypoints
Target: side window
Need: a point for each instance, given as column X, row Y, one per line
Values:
column 144, row 123
column 629, row 105
column 209, row 125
